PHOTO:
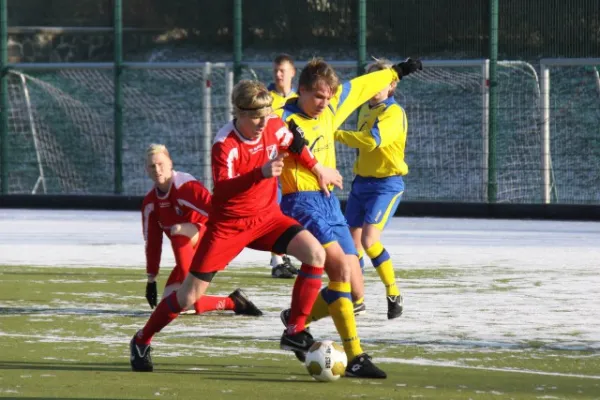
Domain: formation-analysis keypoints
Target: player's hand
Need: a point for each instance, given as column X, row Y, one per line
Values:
column 298, row 142
column 273, row 167
column 151, row 293
column 407, row 67
column 328, row 176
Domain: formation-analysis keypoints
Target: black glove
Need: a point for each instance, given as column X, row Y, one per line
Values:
column 407, row 66
column 298, row 142
column 151, row 293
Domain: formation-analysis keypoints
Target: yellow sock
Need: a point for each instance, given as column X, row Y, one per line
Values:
column 361, row 260
column 359, row 301
column 341, row 310
column 320, row 309
column 384, row 267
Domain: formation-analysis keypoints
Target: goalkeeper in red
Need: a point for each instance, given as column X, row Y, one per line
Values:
column 177, row 207
column 247, row 157
column 321, row 107
column 378, row 185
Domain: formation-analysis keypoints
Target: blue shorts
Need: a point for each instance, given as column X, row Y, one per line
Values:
column 321, row 216
column 373, row 200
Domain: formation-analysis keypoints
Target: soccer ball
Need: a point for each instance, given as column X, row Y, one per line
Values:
column 326, row 361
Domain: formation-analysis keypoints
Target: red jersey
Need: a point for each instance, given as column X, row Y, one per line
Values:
column 240, row 189
column 186, row 201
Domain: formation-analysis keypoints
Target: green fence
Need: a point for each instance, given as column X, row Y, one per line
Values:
column 507, row 110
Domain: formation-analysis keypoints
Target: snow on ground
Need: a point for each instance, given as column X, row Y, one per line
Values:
column 499, row 283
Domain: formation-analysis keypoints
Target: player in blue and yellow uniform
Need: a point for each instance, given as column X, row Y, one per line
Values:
column 282, row 89
column 322, row 106
column 378, row 185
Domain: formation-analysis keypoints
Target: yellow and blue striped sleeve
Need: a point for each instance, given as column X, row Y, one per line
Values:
column 387, row 128
column 350, row 95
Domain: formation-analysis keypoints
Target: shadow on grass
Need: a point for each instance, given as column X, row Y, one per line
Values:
column 225, row 371
column 70, row 311
column 114, row 313
column 47, row 272
column 78, row 398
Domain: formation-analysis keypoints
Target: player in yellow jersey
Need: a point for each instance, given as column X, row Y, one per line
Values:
column 281, row 90
column 378, row 185
column 321, row 107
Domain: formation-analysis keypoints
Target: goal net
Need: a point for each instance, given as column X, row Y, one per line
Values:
column 573, row 123
column 61, row 125
column 447, row 144
column 61, row 128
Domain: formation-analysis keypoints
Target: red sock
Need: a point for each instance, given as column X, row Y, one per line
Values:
column 212, row 303
column 305, row 292
column 168, row 309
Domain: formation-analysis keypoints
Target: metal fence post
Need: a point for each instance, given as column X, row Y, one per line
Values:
column 118, row 99
column 4, row 97
column 362, row 36
column 493, row 103
column 237, row 40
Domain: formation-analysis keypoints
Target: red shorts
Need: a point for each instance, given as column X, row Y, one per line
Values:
column 184, row 253
column 224, row 240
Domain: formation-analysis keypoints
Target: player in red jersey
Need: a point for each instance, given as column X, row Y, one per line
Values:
column 247, row 157
column 178, row 206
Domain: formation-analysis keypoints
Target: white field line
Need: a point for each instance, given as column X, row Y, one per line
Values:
column 424, row 362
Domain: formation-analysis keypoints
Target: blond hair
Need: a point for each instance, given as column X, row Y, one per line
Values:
column 155, row 148
column 379, row 64
column 251, row 99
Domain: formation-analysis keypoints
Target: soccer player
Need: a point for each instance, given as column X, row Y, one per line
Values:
column 378, row 185
column 281, row 90
column 321, row 107
column 178, row 206
column 247, row 157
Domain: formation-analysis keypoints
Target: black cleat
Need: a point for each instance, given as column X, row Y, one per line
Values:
column 361, row 366
column 282, row 271
column 285, row 317
column 243, row 305
column 360, row 309
column 299, row 343
column 140, row 359
column 395, row 306
column 288, row 263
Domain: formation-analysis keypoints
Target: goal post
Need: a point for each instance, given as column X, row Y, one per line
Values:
column 21, row 113
column 570, row 121
column 447, row 106
column 68, row 110
column 61, row 130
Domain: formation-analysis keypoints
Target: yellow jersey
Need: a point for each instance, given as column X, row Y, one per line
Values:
column 279, row 99
column 380, row 140
column 320, row 131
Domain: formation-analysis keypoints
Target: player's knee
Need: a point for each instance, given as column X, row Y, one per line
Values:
column 185, row 298
column 186, row 229
column 336, row 264
column 194, row 239
column 170, row 289
column 193, row 287
column 317, row 255
column 368, row 240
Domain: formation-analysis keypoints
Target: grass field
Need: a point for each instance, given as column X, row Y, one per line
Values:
column 64, row 333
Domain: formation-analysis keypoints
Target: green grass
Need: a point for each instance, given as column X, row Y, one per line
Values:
column 64, row 333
